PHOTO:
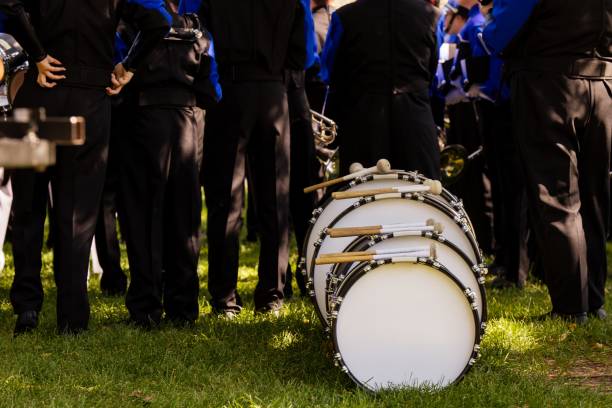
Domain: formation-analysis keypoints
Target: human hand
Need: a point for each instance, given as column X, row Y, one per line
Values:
column 119, row 78
column 48, row 70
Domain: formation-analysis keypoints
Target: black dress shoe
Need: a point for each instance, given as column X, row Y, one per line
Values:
column 146, row 322
column 578, row 318
column 273, row 309
column 600, row 314
column 26, row 322
column 113, row 287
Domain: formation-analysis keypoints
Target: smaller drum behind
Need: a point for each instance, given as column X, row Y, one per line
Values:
column 330, row 209
column 404, row 325
column 453, row 259
column 390, row 210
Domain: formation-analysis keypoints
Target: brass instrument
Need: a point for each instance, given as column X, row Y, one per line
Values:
column 325, row 132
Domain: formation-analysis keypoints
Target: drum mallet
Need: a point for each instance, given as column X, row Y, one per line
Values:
column 428, row 186
column 383, row 166
column 406, row 255
column 431, row 225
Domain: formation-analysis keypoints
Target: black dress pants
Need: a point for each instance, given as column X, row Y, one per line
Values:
column 511, row 215
column 249, row 127
column 77, row 181
column 161, row 209
column 304, row 168
column 563, row 131
column 474, row 188
column 113, row 279
column 399, row 128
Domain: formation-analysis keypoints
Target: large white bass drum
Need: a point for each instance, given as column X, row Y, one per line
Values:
column 404, row 325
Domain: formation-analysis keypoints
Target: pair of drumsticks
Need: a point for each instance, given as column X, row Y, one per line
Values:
column 383, row 166
column 397, row 255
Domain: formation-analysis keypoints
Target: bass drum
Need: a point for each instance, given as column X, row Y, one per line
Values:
column 392, row 209
column 448, row 254
column 328, row 211
column 398, row 325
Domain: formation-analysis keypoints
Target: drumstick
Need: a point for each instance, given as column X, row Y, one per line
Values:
column 383, row 166
column 350, row 257
column 391, row 251
column 428, row 186
column 384, row 229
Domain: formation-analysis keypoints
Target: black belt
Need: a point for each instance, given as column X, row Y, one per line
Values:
column 248, row 72
column 593, row 68
column 86, row 77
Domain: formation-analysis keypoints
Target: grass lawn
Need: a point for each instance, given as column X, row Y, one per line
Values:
column 285, row 362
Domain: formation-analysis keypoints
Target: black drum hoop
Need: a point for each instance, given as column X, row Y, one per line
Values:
column 368, row 267
column 341, row 271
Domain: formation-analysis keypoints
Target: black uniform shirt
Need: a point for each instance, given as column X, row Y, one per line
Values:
column 81, row 33
column 381, row 45
column 253, row 38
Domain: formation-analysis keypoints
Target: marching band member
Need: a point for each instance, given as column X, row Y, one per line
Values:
column 304, row 165
column 160, row 187
column 250, row 127
column 379, row 59
column 71, row 44
column 559, row 59
column 469, row 116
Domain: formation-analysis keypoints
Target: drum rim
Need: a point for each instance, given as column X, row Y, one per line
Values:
column 372, row 265
column 412, row 176
column 363, row 243
column 309, row 275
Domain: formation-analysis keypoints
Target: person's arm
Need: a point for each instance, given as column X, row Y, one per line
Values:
column 507, row 18
column 309, row 32
column 153, row 21
column 49, row 68
column 25, row 33
column 330, row 51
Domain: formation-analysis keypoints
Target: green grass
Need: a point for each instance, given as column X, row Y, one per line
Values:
column 285, row 362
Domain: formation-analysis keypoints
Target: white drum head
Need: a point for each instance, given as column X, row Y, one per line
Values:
column 405, row 325
column 387, row 211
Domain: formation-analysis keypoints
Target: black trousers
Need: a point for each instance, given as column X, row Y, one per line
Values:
column 399, row 128
column 162, row 203
column 563, row 131
column 77, row 182
column 304, row 168
column 113, row 279
column 511, row 217
column 249, row 127
column 466, row 128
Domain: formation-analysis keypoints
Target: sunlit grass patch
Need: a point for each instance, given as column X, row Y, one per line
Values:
column 259, row 361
